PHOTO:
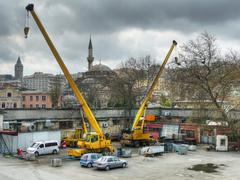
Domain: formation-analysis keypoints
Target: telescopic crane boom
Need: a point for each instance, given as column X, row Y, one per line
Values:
column 96, row 141
column 148, row 96
column 88, row 113
column 137, row 136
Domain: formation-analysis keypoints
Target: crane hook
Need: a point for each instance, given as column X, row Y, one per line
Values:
column 26, row 30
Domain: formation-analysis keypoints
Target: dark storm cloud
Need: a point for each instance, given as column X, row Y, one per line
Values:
column 11, row 23
column 107, row 15
column 6, row 53
column 69, row 24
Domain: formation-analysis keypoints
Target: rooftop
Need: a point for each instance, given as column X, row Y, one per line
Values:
column 100, row 67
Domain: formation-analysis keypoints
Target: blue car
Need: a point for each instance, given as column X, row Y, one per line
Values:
column 87, row 160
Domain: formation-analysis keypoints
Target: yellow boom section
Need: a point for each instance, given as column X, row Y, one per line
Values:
column 153, row 85
column 85, row 130
column 88, row 113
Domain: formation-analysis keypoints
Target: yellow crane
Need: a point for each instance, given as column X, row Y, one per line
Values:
column 95, row 141
column 136, row 136
column 75, row 138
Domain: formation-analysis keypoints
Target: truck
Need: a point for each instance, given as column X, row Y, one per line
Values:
column 136, row 135
column 95, row 141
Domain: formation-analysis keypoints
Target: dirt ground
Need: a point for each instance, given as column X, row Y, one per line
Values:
column 169, row 166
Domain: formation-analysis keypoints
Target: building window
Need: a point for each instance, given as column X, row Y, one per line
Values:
column 23, row 105
column 44, row 106
column 9, row 94
column 31, row 106
column 44, row 98
column 23, row 98
column 37, row 98
column 15, row 105
column 37, row 105
column 223, row 142
column 3, row 105
column 31, row 98
column 65, row 125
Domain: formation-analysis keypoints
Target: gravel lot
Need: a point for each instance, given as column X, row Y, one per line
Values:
column 169, row 166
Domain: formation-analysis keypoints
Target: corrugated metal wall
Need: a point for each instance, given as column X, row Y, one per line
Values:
column 24, row 140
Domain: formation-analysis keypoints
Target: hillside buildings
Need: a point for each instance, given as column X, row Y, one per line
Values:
column 38, row 81
column 15, row 80
column 35, row 99
column 19, row 70
column 10, row 97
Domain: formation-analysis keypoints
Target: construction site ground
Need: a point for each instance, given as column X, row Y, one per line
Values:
column 169, row 166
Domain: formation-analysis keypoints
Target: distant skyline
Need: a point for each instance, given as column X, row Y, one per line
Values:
column 119, row 29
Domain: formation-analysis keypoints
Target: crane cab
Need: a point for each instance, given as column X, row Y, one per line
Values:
column 97, row 144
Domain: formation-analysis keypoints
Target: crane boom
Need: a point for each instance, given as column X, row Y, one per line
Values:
column 153, row 85
column 87, row 111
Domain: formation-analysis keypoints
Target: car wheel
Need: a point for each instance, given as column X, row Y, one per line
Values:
column 54, row 151
column 124, row 165
column 89, row 165
column 107, row 168
column 36, row 154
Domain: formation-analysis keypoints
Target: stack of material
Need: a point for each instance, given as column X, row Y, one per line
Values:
column 192, row 148
column 180, row 148
column 152, row 150
column 56, row 162
column 30, row 157
column 126, row 153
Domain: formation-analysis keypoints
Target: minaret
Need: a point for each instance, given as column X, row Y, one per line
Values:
column 90, row 57
column 19, row 69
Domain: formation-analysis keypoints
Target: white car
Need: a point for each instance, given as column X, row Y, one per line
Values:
column 109, row 162
column 44, row 147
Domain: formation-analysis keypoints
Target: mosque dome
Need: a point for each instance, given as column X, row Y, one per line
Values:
column 100, row 67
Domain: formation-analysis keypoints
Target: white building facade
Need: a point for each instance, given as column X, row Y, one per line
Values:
column 38, row 81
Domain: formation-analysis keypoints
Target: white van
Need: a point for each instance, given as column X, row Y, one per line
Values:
column 44, row 147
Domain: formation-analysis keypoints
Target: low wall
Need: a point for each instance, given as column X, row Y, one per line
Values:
column 24, row 140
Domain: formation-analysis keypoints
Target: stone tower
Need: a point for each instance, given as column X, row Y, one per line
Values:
column 19, row 69
column 90, row 57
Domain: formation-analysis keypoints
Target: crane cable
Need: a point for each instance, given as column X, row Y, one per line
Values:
column 26, row 28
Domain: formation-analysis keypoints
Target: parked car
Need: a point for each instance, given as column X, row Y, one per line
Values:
column 109, row 162
column 46, row 147
column 87, row 160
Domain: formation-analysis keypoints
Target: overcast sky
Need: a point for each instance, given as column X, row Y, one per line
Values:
column 120, row 29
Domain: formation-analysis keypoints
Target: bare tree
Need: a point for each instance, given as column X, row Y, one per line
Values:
column 204, row 74
column 134, row 77
column 55, row 91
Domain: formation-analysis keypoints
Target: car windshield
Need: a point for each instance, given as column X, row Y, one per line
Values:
column 84, row 157
column 103, row 159
column 34, row 145
column 116, row 159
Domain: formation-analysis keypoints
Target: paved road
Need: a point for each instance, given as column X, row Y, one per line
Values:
column 170, row 167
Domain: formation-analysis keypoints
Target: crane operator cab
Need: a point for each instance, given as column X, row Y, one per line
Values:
column 96, row 144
